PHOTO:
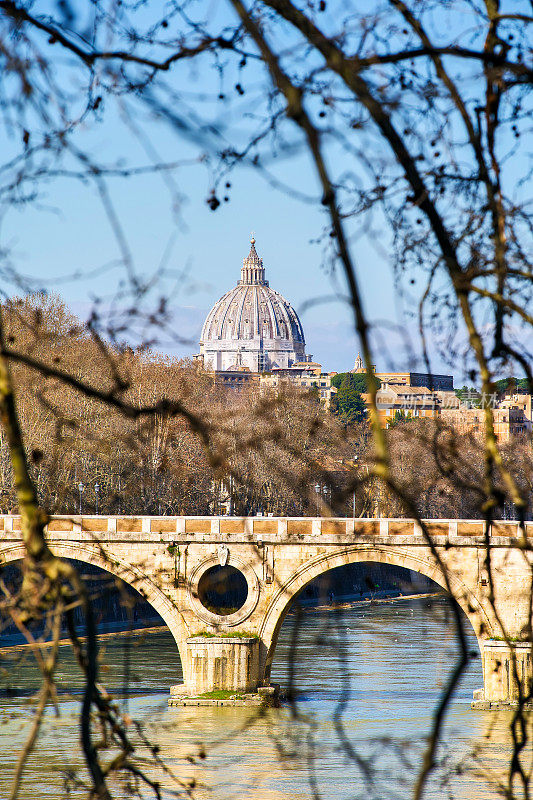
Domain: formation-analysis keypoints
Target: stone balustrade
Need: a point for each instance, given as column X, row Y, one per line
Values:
column 267, row 528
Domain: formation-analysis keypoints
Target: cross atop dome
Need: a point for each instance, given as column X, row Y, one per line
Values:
column 252, row 271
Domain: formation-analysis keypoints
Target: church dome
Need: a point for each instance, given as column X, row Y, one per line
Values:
column 252, row 325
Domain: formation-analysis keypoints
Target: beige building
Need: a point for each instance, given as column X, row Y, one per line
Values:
column 236, row 377
column 523, row 402
column 412, row 379
column 409, row 395
column 512, row 417
column 306, row 374
column 396, row 401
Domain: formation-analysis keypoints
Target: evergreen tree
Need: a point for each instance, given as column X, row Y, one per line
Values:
column 513, row 385
column 357, row 381
column 347, row 404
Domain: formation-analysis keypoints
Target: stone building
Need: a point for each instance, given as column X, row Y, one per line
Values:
column 396, row 400
column 510, row 420
column 252, row 327
column 307, row 375
column 411, row 379
column 512, row 416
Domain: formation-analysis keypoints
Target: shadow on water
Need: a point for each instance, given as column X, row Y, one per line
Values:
column 128, row 628
column 147, row 661
column 116, row 605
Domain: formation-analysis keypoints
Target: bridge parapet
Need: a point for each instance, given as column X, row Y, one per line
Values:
column 258, row 529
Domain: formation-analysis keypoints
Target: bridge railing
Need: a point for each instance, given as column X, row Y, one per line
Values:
column 258, row 527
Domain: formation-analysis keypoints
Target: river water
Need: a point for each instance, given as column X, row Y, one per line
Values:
column 368, row 676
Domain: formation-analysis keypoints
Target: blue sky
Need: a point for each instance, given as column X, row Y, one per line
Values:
column 66, row 243
column 68, row 232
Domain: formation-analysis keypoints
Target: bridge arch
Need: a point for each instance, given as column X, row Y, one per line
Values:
column 128, row 573
column 282, row 600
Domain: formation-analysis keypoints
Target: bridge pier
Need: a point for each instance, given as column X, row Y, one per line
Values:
column 228, row 663
column 507, row 674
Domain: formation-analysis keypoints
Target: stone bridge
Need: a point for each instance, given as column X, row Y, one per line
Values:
column 175, row 563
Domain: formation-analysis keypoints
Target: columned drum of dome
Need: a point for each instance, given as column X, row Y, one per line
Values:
column 252, row 326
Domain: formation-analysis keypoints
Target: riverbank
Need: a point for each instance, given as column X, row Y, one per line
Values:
column 370, row 600
column 309, row 606
column 101, row 636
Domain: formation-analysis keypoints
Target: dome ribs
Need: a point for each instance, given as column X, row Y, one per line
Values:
column 239, row 317
column 257, row 313
column 225, row 307
column 274, row 329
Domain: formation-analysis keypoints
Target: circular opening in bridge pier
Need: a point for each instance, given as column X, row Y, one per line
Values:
column 223, row 590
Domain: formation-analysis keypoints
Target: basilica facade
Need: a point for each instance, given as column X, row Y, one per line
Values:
column 252, row 327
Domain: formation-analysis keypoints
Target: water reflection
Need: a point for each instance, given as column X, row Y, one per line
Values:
column 368, row 677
